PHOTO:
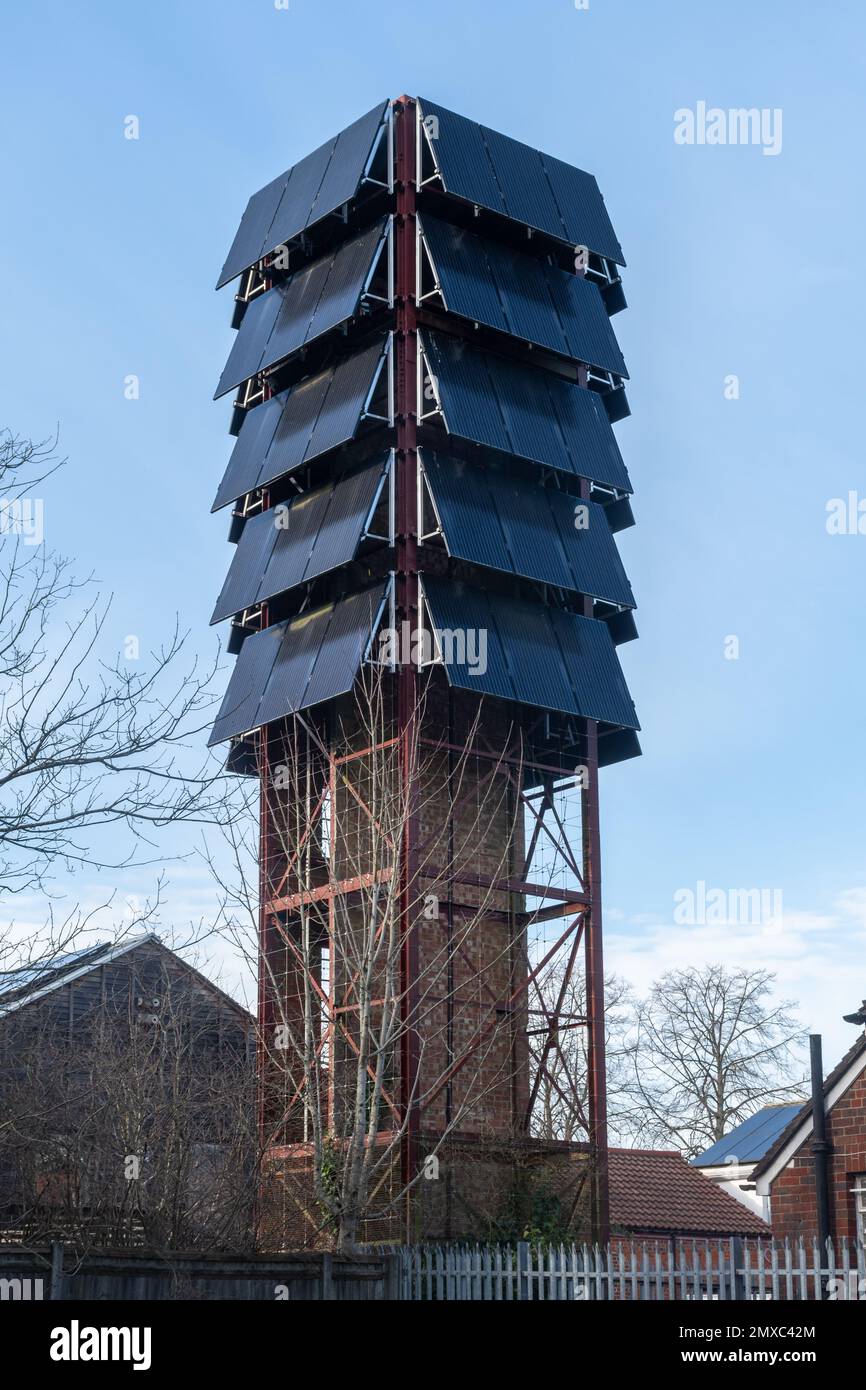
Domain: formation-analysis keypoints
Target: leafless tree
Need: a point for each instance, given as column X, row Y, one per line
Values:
column 562, row 1099
column 335, row 1011
column 710, row 1047
column 84, row 743
column 137, row 1130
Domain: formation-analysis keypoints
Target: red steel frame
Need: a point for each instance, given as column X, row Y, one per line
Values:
column 582, row 907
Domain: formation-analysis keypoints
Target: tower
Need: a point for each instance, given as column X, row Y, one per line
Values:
column 426, row 600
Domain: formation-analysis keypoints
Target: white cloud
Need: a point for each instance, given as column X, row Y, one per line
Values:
column 817, row 958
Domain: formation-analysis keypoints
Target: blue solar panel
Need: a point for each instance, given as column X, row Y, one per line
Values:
column 750, row 1141
column 319, row 297
column 319, row 414
column 510, row 178
column 289, row 545
column 533, row 654
column 517, row 294
column 523, row 411
column 312, row 189
column 293, row 665
column 510, row 523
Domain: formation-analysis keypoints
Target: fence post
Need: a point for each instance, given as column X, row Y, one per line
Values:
column 738, row 1273
column 393, row 1291
column 328, row 1277
column 523, row 1270
column 55, row 1288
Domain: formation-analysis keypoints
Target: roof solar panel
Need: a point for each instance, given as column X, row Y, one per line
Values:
column 536, row 655
column 319, row 413
column 249, row 562
column 247, row 684
column 300, row 193
column 580, row 201
column 317, row 298
column 520, row 295
column 461, row 156
column 293, row 665
column 298, row 541
column 251, row 339
column 344, row 645
column 521, row 175
column 523, row 411
column 251, row 447
column 504, row 175
column 513, row 524
column 313, row 188
column 347, row 163
column 255, row 224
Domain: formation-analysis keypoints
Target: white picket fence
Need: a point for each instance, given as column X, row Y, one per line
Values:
column 692, row 1270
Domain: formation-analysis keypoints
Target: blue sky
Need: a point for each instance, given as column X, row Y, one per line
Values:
column 739, row 263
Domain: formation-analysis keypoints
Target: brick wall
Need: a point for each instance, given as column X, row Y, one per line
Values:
column 793, row 1200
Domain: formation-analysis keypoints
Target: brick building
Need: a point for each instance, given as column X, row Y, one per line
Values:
column 787, row 1172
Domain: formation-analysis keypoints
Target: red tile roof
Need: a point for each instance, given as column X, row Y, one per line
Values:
column 658, row 1191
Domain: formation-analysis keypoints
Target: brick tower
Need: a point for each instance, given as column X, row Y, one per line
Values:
column 426, row 600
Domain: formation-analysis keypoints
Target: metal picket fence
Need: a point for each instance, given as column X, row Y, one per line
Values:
column 694, row 1270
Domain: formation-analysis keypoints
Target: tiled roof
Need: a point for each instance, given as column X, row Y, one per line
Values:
column 749, row 1141
column 804, row 1114
column 654, row 1190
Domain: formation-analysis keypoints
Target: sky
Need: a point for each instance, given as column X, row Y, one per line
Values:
column 741, row 264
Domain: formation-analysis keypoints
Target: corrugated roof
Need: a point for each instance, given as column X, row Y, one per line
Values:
column 321, row 296
column 520, row 410
column 318, row 414
column 535, row 654
column 752, row 1139
column 516, row 525
column 296, row 664
column 305, row 538
column 485, row 167
column 658, row 1191
column 313, row 188
column 36, row 981
column 521, row 295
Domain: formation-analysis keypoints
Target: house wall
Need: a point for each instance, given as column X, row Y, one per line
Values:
column 793, row 1201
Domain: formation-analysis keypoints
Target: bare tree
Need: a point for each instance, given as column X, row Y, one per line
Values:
column 138, row 1129
column 562, row 1094
column 84, row 743
column 336, row 1017
column 710, row 1048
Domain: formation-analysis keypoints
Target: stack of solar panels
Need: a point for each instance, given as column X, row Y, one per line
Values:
column 520, row 475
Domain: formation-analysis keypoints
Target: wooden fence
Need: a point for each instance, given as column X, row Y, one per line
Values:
column 59, row 1273
column 691, row 1271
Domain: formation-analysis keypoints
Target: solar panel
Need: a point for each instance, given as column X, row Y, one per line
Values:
column 750, row 1141
column 504, row 175
column 319, row 297
column 524, row 411
column 312, row 189
column 535, row 655
column 286, row 546
column 319, row 413
column 513, row 524
column 293, row 665
column 517, row 294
